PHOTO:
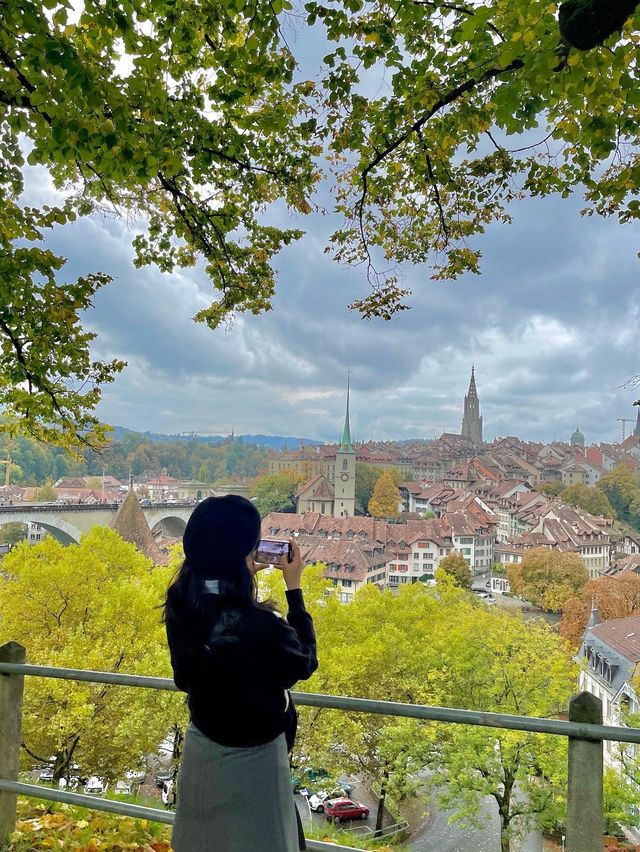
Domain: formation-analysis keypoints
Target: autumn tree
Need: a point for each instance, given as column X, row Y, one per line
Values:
column 551, row 489
column 366, row 477
column 592, row 500
column 189, row 118
column 547, row 578
column 622, row 489
column 13, row 533
column 447, row 652
column 386, row 749
column 499, row 663
column 203, row 474
column 276, row 492
column 457, row 567
column 615, row 597
column 46, row 493
column 385, row 500
column 93, row 605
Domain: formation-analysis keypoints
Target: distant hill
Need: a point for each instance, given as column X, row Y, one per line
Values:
column 276, row 442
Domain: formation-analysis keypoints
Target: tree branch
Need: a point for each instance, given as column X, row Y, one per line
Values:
column 440, row 104
column 455, row 7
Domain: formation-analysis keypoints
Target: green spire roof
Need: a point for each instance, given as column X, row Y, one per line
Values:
column 345, row 441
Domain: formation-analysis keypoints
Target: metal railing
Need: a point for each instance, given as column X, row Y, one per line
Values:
column 584, row 730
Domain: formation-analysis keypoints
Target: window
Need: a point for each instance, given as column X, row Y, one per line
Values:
column 347, row 583
column 345, row 464
column 322, row 508
column 416, row 556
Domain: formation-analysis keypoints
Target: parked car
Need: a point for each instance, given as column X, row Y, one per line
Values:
column 340, row 810
column 306, row 776
column 168, row 794
column 339, row 791
column 136, row 776
column 123, row 788
column 165, row 775
column 96, row 786
column 46, row 775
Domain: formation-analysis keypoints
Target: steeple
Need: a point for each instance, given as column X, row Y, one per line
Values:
column 472, row 419
column 344, row 471
column 345, row 441
column 636, row 431
column 472, row 383
column 594, row 616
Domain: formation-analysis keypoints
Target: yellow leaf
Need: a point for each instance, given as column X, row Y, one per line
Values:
column 372, row 37
column 573, row 59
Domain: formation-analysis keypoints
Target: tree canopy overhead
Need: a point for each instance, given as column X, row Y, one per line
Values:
column 192, row 120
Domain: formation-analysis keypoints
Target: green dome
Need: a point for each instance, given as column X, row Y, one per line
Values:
column 577, row 438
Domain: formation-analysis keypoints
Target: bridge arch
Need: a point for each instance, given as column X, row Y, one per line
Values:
column 58, row 528
column 170, row 525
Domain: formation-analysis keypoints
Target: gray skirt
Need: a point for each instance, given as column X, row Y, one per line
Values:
column 234, row 799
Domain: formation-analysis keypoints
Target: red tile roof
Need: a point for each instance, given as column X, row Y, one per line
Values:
column 621, row 634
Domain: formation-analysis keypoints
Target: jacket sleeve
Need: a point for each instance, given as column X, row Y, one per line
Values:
column 292, row 643
column 182, row 653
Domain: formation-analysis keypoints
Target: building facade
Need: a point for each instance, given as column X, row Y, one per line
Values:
column 610, row 655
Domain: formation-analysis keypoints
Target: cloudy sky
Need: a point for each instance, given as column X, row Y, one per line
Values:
column 551, row 326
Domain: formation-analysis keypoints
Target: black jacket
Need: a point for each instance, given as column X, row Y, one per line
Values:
column 237, row 665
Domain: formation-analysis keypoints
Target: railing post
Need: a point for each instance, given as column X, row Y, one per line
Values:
column 11, row 689
column 585, row 809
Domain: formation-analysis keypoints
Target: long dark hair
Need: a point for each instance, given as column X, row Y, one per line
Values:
column 220, row 534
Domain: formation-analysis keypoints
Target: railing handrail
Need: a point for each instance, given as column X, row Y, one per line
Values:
column 112, row 806
column 423, row 712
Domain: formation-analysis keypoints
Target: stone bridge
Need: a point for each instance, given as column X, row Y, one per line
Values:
column 68, row 521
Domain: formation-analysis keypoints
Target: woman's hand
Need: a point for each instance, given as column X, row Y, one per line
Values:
column 254, row 566
column 292, row 571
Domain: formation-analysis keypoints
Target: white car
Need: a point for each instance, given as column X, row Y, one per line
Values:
column 96, row 786
column 168, row 794
column 46, row 775
column 316, row 799
column 123, row 788
column 136, row 776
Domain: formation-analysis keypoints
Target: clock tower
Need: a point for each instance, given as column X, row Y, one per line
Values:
column 344, row 503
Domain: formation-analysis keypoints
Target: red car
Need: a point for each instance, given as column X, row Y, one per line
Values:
column 340, row 810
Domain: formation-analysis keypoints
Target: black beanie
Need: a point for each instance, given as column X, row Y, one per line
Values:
column 220, row 534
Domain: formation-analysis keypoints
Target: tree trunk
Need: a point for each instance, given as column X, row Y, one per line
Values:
column 504, row 810
column 381, row 801
column 178, row 740
column 505, row 842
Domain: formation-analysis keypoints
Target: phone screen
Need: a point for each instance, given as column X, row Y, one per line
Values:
column 270, row 551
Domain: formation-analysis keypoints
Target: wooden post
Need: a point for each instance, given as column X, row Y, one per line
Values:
column 585, row 809
column 11, row 690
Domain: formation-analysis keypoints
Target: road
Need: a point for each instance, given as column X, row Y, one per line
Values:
column 437, row 835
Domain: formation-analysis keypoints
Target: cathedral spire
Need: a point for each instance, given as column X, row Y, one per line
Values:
column 345, row 441
column 472, row 419
column 636, row 431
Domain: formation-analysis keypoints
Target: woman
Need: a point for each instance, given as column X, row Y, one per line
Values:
column 235, row 658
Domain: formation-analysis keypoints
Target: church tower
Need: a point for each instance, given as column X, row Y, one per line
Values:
column 472, row 419
column 344, row 503
column 636, row 431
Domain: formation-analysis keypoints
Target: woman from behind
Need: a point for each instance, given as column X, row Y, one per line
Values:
column 236, row 659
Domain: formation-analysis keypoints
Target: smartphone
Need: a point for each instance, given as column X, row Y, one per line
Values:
column 270, row 551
